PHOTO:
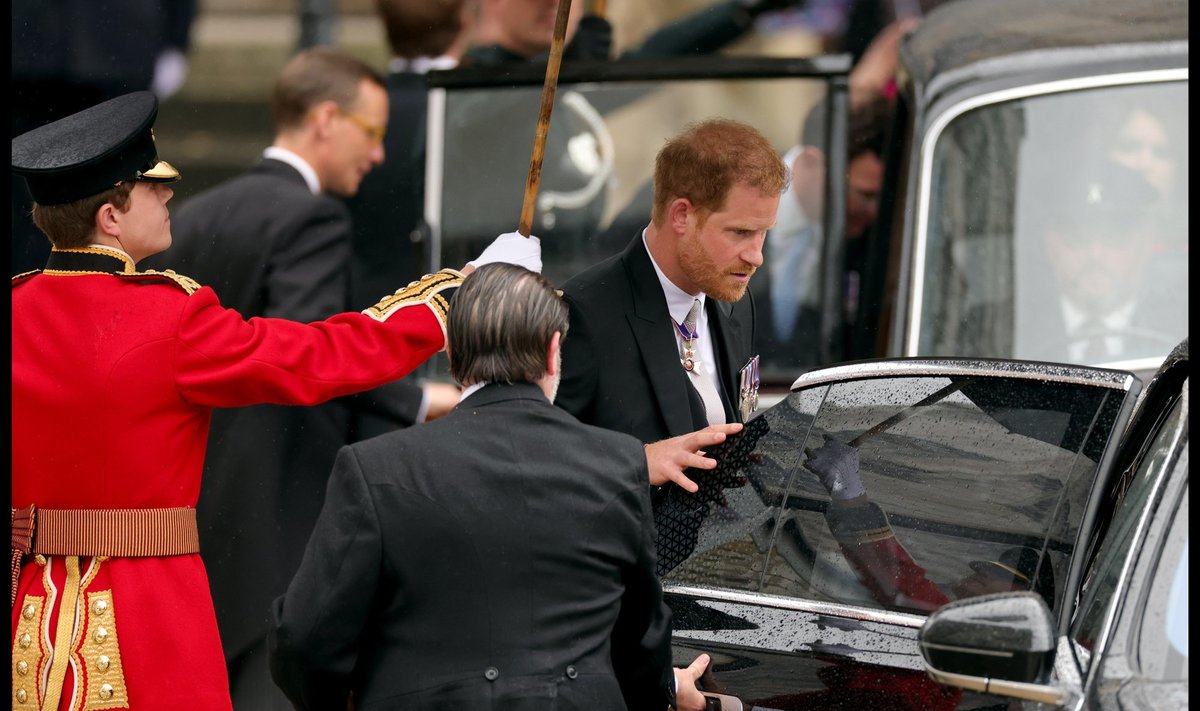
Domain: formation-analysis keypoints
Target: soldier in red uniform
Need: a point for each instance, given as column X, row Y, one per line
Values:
column 115, row 374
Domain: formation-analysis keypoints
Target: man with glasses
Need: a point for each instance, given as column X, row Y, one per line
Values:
column 275, row 241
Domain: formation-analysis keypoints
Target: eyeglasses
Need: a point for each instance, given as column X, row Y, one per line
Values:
column 374, row 132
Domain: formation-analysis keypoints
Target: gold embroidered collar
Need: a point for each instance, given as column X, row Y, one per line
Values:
column 88, row 260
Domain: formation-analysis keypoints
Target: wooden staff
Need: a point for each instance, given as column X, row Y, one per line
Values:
column 525, row 227
column 598, row 8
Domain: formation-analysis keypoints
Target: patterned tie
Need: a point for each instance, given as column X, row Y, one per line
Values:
column 699, row 374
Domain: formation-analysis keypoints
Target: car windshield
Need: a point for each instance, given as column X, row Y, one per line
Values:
column 1060, row 213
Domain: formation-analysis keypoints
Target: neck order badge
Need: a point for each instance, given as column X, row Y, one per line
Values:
column 701, row 379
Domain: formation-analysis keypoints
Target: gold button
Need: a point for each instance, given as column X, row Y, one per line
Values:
column 106, row 692
column 102, row 663
column 100, row 606
column 25, row 640
column 28, row 611
column 21, row 696
column 22, row 667
column 101, row 634
column 40, row 560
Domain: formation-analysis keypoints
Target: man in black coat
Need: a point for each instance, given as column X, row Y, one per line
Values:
column 390, row 242
column 634, row 363
column 499, row 558
column 276, row 242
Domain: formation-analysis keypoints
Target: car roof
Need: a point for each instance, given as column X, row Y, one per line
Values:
column 1026, row 36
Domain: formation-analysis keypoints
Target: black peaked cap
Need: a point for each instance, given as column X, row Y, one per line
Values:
column 91, row 151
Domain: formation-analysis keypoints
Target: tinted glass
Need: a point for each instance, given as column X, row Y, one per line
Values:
column 1060, row 214
column 971, row 485
column 1106, row 574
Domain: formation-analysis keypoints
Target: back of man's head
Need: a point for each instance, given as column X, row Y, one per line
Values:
column 866, row 129
column 710, row 157
column 424, row 28
column 316, row 75
column 501, row 323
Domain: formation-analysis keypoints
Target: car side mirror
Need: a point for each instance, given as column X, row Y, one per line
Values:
column 998, row 644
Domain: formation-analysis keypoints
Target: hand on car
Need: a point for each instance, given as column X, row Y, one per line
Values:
column 668, row 458
column 836, row 464
column 687, row 696
column 513, row 248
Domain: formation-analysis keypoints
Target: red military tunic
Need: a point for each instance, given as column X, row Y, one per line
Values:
column 114, row 378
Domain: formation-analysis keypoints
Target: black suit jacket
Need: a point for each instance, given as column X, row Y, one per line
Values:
column 270, row 248
column 498, row 558
column 621, row 370
column 389, row 237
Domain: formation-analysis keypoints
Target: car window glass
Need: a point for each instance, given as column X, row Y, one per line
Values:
column 596, row 192
column 741, row 502
column 1163, row 646
column 1063, row 213
column 966, row 472
column 1112, row 557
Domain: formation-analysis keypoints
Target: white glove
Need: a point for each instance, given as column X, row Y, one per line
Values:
column 170, row 71
column 513, row 248
column 837, row 466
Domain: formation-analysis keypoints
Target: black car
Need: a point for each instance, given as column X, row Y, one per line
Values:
column 1035, row 201
column 1030, row 507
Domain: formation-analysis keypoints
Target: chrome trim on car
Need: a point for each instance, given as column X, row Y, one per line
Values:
column 1040, row 693
column 917, row 284
column 901, row 619
column 1053, row 372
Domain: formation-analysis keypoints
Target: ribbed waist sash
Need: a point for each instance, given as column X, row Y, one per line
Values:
column 118, row 533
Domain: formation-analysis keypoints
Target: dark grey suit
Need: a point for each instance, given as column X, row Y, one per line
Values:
column 498, row 558
column 621, row 370
column 270, row 248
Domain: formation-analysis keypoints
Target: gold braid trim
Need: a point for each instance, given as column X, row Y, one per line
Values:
column 101, row 656
column 188, row 284
column 874, row 535
column 28, row 655
column 430, row 290
column 64, row 635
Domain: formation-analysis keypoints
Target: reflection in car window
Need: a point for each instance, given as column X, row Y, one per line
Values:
column 962, row 479
column 1058, row 228
column 1112, row 557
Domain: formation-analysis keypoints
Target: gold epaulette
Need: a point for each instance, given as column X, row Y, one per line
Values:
column 188, row 284
column 24, row 276
column 432, row 290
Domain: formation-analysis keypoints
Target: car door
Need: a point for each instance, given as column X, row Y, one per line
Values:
column 595, row 191
column 976, row 473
